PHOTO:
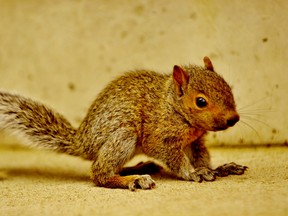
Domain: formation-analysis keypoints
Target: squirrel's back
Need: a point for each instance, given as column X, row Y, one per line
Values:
column 125, row 102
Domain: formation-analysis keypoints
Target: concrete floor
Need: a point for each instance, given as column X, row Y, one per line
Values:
column 45, row 183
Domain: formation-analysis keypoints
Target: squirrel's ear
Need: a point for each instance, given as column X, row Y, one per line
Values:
column 208, row 64
column 180, row 79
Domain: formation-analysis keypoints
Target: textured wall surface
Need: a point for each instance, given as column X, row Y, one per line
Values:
column 64, row 52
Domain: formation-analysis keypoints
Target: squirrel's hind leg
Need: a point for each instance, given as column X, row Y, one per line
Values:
column 131, row 182
column 112, row 156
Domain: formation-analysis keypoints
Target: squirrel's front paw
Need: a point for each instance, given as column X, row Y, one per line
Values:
column 203, row 173
column 142, row 182
column 230, row 169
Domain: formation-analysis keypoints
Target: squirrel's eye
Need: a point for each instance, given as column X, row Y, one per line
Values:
column 201, row 102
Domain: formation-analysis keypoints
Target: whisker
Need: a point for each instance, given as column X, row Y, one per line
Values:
column 252, row 128
column 256, row 120
column 252, row 103
column 252, row 114
column 242, row 133
column 256, row 110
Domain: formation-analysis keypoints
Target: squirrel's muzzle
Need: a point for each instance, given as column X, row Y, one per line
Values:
column 233, row 120
column 224, row 123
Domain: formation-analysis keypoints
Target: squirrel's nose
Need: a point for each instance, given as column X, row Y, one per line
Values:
column 233, row 120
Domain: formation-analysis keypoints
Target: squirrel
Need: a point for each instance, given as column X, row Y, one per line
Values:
column 164, row 116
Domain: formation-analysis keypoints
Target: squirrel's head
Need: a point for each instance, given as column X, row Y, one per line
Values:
column 203, row 97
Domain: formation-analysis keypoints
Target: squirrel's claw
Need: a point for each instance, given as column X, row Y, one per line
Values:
column 230, row 169
column 203, row 173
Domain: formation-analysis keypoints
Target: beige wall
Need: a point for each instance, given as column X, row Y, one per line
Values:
column 64, row 52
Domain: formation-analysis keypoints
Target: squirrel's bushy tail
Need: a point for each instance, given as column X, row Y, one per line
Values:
column 36, row 123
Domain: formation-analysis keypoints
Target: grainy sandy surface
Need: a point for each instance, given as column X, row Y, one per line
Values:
column 44, row 183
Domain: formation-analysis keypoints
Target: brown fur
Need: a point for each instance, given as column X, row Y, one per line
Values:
column 141, row 110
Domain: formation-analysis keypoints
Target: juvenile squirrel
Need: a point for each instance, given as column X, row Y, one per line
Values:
column 164, row 116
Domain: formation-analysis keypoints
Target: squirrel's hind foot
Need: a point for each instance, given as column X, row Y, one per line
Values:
column 131, row 182
column 142, row 182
